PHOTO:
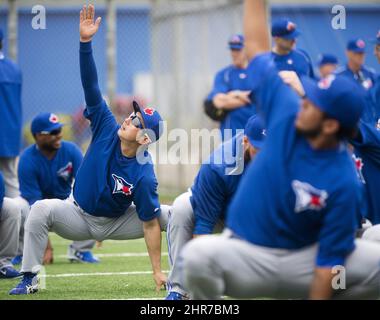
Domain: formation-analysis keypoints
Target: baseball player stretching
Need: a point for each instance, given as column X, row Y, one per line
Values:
column 299, row 220
column 47, row 170
column 10, row 219
column 115, row 191
column 230, row 92
column 202, row 209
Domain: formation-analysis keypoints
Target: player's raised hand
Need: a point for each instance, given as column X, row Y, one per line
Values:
column 87, row 26
column 160, row 279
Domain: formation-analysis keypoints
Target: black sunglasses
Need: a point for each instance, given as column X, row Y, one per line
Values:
column 53, row 132
column 136, row 121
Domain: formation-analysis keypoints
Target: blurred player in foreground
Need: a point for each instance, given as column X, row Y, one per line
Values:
column 10, row 219
column 10, row 121
column 286, row 239
column 202, row 209
column 116, row 171
column 46, row 171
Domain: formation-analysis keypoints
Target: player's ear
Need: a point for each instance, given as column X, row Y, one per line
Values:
column 331, row 126
column 143, row 138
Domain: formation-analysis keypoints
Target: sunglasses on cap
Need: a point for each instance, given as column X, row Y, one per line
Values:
column 53, row 132
column 136, row 121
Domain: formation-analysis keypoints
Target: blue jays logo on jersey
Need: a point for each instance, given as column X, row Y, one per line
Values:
column 359, row 167
column 308, row 197
column 66, row 172
column 122, row 186
column 325, row 83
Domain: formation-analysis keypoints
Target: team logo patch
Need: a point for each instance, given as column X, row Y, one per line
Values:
column 149, row 111
column 53, row 118
column 290, row 61
column 359, row 167
column 308, row 197
column 290, row 26
column 235, row 39
column 325, row 83
column 367, row 84
column 242, row 76
column 360, row 44
column 122, row 186
column 66, row 172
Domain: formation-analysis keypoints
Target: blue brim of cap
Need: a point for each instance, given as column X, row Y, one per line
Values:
column 291, row 36
column 256, row 143
column 53, row 127
column 236, row 46
column 357, row 50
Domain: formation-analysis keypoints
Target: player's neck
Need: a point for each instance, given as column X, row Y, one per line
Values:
column 279, row 51
column 323, row 143
column 129, row 149
column 48, row 153
column 354, row 67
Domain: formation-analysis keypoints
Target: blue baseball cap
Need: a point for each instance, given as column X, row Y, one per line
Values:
column 327, row 59
column 236, row 42
column 151, row 119
column 255, row 131
column 45, row 123
column 356, row 45
column 337, row 96
column 285, row 28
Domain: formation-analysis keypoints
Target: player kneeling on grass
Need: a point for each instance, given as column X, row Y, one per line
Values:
column 293, row 217
column 10, row 219
column 47, row 170
column 201, row 210
column 111, row 177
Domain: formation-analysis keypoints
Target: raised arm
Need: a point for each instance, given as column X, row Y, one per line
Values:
column 256, row 27
column 89, row 77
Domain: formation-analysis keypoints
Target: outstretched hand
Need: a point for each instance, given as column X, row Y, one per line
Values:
column 160, row 279
column 87, row 26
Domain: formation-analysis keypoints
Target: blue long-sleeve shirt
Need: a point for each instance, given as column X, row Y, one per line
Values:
column 108, row 182
column 294, row 196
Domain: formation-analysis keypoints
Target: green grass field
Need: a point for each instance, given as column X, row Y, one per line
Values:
column 123, row 273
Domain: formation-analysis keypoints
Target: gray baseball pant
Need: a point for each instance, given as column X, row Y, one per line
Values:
column 213, row 266
column 71, row 222
column 81, row 246
column 372, row 233
column 10, row 219
column 179, row 232
column 8, row 166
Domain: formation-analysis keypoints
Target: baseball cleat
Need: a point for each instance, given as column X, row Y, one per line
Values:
column 77, row 256
column 17, row 260
column 9, row 273
column 172, row 295
column 28, row 285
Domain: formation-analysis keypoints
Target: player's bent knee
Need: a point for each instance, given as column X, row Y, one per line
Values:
column 39, row 214
column 181, row 211
column 10, row 210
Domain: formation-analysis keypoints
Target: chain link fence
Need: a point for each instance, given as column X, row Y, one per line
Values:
column 164, row 53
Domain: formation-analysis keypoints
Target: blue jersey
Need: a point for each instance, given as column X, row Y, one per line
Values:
column 107, row 182
column 41, row 178
column 365, row 77
column 216, row 183
column 293, row 196
column 229, row 79
column 2, row 190
column 367, row 160
column 10, row 108
column 297, row 61
column 374, row 100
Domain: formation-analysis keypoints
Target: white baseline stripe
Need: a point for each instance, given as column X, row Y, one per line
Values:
column 126, row 273
column 117, row 255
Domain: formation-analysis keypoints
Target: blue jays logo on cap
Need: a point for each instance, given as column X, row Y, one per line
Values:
column 290, row 26
column 121, row 186
column 236, row 42
column 53, row 118
column 152, row 121
column 66, row 172
column 308, row 197
column 356, row 45
column 285, row 28
column 149, row 111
